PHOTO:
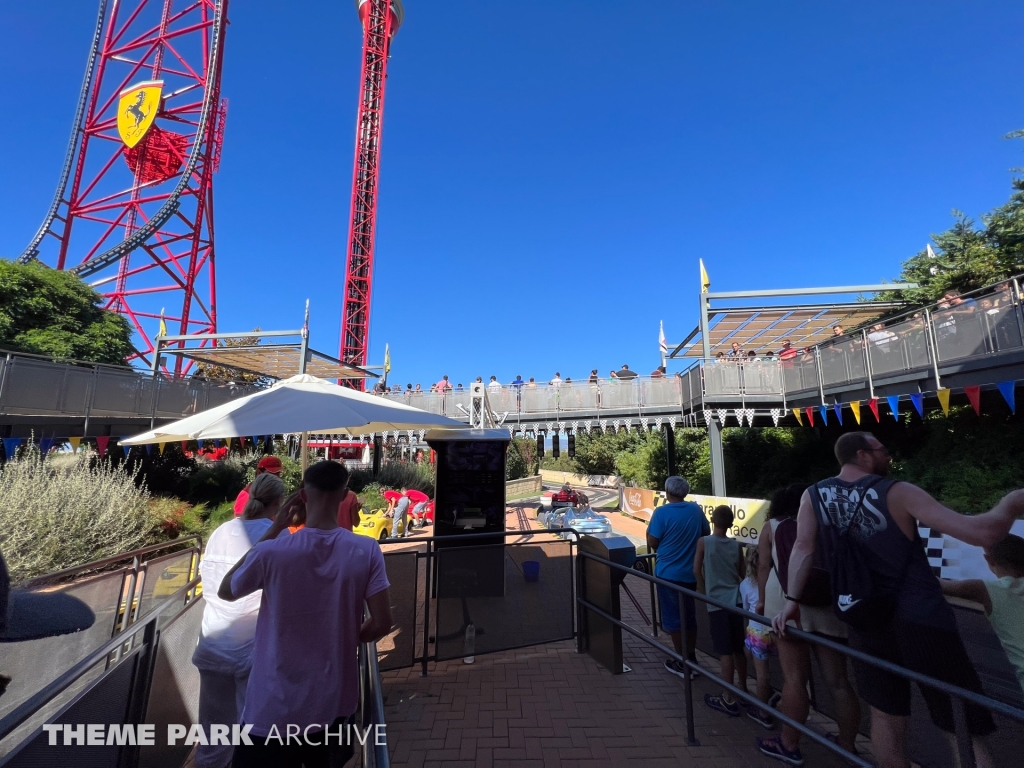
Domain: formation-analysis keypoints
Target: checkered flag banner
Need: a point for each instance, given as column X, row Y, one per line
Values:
column 750, row 417
column 723, row 414
column 776, row 413
column 739, row 413
column 707, row 415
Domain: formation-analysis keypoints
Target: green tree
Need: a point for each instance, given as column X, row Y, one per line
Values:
column 48, row 312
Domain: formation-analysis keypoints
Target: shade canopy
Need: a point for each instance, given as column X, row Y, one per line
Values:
column 302, row 403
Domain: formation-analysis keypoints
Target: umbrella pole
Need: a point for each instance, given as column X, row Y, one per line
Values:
column 304, row 451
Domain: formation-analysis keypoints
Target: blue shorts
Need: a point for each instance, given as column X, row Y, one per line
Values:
column 668, row 600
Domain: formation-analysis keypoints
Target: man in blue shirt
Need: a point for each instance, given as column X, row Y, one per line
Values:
column 673, row 534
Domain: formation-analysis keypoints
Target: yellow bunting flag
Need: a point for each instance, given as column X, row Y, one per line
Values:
column 75, row 441
column 799, row 418
column 162, row 445
column 228, row 442
column 855, row 407
column 943, row 395
column 705, row 281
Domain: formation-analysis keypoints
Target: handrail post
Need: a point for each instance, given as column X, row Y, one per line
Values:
column 867, row 364
column 90, row 400
column 426, row 610
column 691, row 733
column 964, row 746
column 933, row 347
column 817, row 366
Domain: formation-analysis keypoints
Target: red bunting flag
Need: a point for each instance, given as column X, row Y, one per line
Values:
column 810, row 415
column 873, row 405
column 184, row 446
column 974, row 395
column 101, row 445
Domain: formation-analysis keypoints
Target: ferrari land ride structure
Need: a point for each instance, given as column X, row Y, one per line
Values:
column 381, row 19
column 133, row 212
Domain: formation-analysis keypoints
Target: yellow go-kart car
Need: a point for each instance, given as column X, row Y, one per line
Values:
column 375, row 525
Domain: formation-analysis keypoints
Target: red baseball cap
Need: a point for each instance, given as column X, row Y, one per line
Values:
column 271, row 464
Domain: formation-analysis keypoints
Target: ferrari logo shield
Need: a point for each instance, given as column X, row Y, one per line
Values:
column 136, row 110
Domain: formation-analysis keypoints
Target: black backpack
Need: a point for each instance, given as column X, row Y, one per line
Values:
column 858, row 599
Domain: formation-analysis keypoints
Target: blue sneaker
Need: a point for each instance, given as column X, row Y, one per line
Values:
column 721, row 705
column 774, row 748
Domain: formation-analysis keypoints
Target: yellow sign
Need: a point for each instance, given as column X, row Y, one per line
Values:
column 136, row 110
column 749, row 514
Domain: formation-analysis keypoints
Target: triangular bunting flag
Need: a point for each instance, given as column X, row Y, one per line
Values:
column 200, row 442
column 723, row 414
column 1006, row 389
column 943, row 395
column 796, row 412
column 775, row 416
column 184, row 446
column 75, row 442
column 228, row 441
column 45, row 444
column 823, row 410
column 707, row 415
column 855, row 407
column 873, row 405
column 161, row 446
column 750, row 417
column 810, row 415
column 894, row 405
column 917, row 398
column 974, row 395
column 11, row 445
column 149, row 449
column 740, row 414
column 101, row 445
column 838, row 408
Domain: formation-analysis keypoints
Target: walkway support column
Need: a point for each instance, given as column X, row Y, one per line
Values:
column 717, row 457
column 670, row 448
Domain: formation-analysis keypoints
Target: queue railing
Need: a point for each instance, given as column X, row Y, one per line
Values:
column 959, row 696
column 32, row 385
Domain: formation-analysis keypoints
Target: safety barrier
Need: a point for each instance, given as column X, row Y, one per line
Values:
column 959, row 696
column 141, row 672
column 448, row 584
column 31, row 385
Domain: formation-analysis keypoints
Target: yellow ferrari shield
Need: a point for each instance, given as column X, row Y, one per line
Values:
column 136, row 110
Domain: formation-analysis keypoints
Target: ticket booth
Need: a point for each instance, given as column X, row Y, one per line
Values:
column 469, row 497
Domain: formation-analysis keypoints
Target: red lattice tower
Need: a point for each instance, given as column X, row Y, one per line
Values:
column 136, row 221
column 381, row 19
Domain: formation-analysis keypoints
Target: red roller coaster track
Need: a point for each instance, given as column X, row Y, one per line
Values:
column 381, row 19
column 137, row 222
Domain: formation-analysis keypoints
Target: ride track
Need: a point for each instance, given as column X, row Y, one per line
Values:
column 114, row 201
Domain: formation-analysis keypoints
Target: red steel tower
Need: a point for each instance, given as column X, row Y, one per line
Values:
column 381, row 19
column 133, row 211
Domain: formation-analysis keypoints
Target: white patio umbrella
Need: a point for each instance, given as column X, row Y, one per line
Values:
column 302, row 403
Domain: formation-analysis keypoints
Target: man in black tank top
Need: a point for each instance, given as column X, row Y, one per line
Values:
column 922, row 634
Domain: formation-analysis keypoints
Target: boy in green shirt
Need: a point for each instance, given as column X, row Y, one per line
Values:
column 1003, row 598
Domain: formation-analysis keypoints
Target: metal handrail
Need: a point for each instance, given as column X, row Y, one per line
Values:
column 98, row 565
column 960, row 694
column 374, row 755
column 147, row 623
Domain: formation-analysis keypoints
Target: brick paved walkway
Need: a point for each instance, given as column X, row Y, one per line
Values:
column 548, row 706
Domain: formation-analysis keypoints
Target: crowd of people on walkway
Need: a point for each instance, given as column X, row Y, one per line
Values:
column 444, row 386
column 841, row 560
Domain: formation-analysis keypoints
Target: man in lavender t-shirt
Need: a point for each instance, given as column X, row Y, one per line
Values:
column 315, row 584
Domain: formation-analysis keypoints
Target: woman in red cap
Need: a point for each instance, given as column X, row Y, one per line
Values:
column 270, row 464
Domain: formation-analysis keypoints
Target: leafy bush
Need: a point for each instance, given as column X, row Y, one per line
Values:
column 51, row 519
column 215, row 482
column 395, row 476
column 521, row 460
column 173, row 518
column 291, row 470
column 372, row 498
column 164, row 474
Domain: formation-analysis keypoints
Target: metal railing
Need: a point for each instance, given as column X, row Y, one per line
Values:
column 960, row 696
column 413, row 605
column 32, row 385
column 371, row 707
column 985, row 324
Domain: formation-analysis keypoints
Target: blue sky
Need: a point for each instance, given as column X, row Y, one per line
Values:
column 551, row 172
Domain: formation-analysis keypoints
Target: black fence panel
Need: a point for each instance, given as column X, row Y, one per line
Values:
column 494, row 598
column 398, row 649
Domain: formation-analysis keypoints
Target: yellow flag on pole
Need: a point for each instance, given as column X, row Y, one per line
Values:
column 855, row 407
column 75, row 442
column 799, row 418
column 163, row 325
column 705, row 281
column 943, row 395
column 387, row 359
